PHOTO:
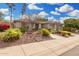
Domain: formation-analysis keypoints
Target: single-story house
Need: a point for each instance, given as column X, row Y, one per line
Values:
column 36, row 24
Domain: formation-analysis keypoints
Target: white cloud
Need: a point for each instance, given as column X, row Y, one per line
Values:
column 51, row 18
column 64, row 18
column 56, row 9
column 74, row 13
column 42, row 13
column 24, row 16
column 8, row 18
column 4, row 10
column 65, row 8
column 33, row 17
column 54, row 13
column 33, row 6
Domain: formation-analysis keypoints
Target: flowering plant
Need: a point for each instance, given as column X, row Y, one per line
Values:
column 4, row 26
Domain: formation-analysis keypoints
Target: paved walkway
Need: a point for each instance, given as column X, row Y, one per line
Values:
column 72, row 52
column 55, row 47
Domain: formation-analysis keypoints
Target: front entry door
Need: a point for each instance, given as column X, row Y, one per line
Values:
column 36, row 26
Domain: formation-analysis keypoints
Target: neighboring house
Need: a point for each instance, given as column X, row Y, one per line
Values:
column 16, row 23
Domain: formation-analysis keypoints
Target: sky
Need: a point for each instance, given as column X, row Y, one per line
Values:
column 51, row 11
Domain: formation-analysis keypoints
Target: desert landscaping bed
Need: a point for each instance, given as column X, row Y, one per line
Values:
column 26, row 38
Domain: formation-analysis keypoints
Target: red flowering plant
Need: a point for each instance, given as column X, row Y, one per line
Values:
column 4, row 26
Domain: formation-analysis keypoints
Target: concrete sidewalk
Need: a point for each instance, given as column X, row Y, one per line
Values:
column 54, row 47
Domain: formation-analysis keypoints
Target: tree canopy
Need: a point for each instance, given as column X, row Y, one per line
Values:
column 74, row 23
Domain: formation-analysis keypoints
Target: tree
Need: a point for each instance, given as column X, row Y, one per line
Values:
column 2, row 18
column 11, row 8
column 1, row 15
column 43, row 19
column 71, row 23
column 40, row 18
column 23, row 9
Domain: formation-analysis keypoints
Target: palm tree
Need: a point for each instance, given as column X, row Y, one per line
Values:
column 1, row 16
column 23, row 9
column 11, row 8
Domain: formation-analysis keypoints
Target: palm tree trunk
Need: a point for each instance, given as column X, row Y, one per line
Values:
column 11, row 18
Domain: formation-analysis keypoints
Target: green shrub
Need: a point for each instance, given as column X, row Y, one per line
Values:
column 67, row 28
column 53, row 31
column 71, row 29
column 23, row 29
column 2, row 34
column 65, row 33
column 45, row 32
column 11, row 35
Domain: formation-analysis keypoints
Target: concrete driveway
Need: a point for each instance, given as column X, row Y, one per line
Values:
column 72, row 52
column 55, row 47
